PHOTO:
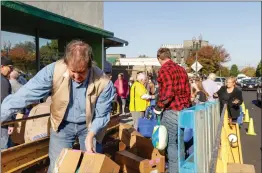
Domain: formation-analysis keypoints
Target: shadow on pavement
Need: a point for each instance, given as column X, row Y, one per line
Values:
column 257, row 103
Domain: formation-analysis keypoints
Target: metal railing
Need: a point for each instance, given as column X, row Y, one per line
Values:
column 212, row 149
column 215, row 152
column 24, row 119
column 204, row 121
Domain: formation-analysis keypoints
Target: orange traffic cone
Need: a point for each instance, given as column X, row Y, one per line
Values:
column 246, row 116
column 251, row 130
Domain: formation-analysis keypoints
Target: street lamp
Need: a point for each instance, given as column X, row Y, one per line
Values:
column 196, row 47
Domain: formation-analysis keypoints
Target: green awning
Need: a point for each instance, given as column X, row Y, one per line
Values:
column 22, row 18
column 115, row 42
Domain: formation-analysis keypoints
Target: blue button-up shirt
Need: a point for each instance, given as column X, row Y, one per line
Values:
column 41, row 85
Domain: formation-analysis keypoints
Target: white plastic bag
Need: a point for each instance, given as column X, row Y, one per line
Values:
column 159, row 136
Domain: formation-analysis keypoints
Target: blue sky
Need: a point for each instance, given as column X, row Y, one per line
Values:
column 147, row 25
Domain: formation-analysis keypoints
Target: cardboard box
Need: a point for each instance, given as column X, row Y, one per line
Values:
column 67, row 161
column 130, row 162
column 121, row 146
column 143, row 147
column 77, row 161
column 237, row 167
column 33, row 129
column 141, row 157
column 125, row 133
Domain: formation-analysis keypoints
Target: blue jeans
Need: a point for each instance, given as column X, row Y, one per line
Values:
column 170, row 121
column 5, row 138
column 65, row 138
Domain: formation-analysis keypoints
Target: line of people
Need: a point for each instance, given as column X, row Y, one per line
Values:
column 177, row 92
column 11, row 81
column 82, row 97
column 208, row 90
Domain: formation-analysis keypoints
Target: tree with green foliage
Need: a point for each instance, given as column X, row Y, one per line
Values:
column 234, row 70
column 49, row 53
column 225, row 72
column 259, row 69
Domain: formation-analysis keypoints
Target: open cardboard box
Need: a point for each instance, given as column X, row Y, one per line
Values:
column 125, row 133
column 76, row 161
column 141, row 157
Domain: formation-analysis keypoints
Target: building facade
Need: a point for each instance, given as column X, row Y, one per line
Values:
column 91, row 13
column 63, row 22
column 180, row 52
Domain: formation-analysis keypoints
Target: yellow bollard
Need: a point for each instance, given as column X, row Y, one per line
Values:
column 251, row 129
column 246, row 116
column 243, row 106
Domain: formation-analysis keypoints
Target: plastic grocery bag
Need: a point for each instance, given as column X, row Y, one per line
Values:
column 159, row 136
column 147, row 123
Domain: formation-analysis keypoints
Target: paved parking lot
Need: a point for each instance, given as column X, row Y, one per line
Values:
column 251, row 145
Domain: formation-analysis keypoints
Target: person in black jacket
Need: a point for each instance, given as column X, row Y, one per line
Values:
column 6, row 69
column 232, row 96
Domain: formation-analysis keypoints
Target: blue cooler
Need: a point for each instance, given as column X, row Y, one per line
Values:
column 147, row 123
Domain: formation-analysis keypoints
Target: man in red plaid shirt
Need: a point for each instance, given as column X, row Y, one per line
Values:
column 174, row 95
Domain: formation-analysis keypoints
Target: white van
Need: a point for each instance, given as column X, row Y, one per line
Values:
column 240, row 77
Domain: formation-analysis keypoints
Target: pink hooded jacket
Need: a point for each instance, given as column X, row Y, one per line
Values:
column 122, row 88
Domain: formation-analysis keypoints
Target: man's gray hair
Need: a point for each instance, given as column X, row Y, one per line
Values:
column 78, row 49
column 212, row 76
column 141, row 76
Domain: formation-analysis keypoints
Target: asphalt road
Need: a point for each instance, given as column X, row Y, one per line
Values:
column 251, row 145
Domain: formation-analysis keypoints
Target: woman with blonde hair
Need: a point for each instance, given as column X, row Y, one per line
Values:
column 232, row 96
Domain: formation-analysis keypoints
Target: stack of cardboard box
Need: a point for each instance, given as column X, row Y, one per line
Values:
column 137, row 154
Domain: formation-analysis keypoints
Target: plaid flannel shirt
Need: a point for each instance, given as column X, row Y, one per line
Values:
column 174, row 88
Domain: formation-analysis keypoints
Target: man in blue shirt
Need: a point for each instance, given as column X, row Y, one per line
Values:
column 81, row 100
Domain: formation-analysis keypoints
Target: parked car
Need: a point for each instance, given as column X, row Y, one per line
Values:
column 220, row 81
column 239, row 80
column 240, row 77
column 249, row 84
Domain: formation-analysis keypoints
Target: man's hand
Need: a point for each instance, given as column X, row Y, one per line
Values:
column 153, row 97
column 10, row 130
column 89, row 142
column 146, row 97
column 158, row 110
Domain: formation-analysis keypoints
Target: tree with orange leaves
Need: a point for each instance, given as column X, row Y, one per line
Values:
column 249, row 71
column 210, row 57
column 23, row 57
